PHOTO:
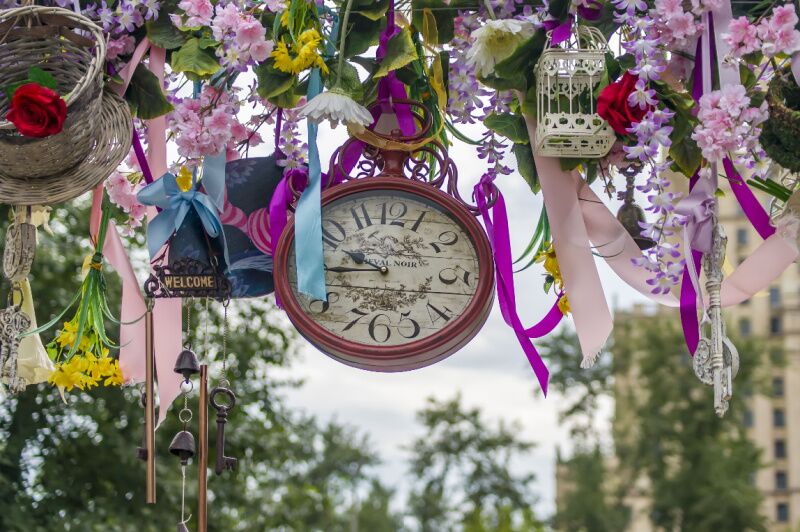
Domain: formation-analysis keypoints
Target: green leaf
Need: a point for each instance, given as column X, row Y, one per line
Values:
column 272, row 82
column 162, row 32
column 361, row 35
column 350, row 81
column 372, row 9
column 523, row 59
column 193, row 58
column 145, row 96
column 510, row 126
column 445, row 18
column 45, row 79
column 400, row 51
column 685, row 153
column 526, row 166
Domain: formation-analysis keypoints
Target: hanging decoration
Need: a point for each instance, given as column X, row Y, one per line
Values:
column 567, row 77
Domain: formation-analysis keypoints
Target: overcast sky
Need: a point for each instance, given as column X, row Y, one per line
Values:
column 491, row 372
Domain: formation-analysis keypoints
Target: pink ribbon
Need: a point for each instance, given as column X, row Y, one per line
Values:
column 496, row 225
column 166, row 312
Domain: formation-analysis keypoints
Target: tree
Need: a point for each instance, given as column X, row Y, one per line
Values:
column 463, row 474
column 73, row 467
column 698, row 466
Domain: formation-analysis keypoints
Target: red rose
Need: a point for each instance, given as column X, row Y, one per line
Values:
column 612, row 104
column 37, row 111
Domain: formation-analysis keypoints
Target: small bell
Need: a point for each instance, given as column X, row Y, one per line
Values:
column 187, row 364
column 629, row 216
column 182, row 446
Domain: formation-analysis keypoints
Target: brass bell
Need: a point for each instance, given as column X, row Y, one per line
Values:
column 182, row 446
column 187, row 364
column 629, row 216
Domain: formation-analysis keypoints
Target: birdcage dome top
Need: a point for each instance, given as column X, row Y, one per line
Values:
column 581, row 39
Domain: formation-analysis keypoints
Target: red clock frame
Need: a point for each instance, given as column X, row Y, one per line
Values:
column 416, row 354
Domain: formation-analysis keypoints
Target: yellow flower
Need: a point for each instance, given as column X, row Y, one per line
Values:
column 68, row 334
column 115, row 378
column 563, row 305
column 548, row 257
column 66, row 377
column 306, row 50
column 184, row 178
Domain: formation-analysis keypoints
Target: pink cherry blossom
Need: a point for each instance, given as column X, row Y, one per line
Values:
column 198, row 11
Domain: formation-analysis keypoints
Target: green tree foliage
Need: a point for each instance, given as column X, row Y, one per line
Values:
column 465, row 479
column 698, row 466
column 73, row 467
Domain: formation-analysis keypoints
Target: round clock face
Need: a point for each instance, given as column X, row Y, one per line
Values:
column 406, row 273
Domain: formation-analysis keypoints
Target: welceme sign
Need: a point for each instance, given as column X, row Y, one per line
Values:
column 190, row 282
column 187, row 278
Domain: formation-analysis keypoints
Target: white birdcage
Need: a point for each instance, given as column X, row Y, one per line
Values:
column 567, row 76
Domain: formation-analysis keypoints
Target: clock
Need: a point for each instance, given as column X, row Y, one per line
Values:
column 409, row 273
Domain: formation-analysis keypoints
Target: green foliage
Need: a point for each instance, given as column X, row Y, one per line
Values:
column 526, row 165
column 196, row 59
column 463, row 473
column 400, row 51
column 163, row 33
column 589, row 506
column 145, row 96
column 665, row 429
column 509, row 125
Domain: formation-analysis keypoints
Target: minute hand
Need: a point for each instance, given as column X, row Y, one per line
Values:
column 344, row 269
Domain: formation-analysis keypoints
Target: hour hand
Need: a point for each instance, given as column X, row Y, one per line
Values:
column 359, row 258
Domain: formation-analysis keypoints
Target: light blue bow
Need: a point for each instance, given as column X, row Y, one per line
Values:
column 175, row 204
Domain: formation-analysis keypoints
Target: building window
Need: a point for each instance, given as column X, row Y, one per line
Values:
column 774, row 297
column 744, row 327
column 777, row 387
column 741, row 236
column 747, row 418
column 775, row 325
column 778, row 418
column 782, row 512
column 780, row 480
column 780, row 449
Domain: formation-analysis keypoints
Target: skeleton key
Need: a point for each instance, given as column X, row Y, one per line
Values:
column 224, row 463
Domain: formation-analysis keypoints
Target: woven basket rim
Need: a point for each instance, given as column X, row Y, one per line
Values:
column 117, row 134
column 95, row 69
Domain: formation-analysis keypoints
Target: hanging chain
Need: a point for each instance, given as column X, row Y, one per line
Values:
column 224, row 382
column 187, row 342
column 205, row 332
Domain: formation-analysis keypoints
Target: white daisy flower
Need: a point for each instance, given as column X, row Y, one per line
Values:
column 496, row 40
column 337, row 106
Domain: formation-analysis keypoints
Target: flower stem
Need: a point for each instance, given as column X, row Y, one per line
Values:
column 342, row 41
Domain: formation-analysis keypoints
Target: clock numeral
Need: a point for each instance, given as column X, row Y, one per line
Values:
column 446, row 238
column 437, row 314
column 333, row 239
column 395, row 211
column 359, row 314
column 375, row 328
column 366, row 222
column 416, row 329
column 323, row 306
column 452, row 275
column 418, row 221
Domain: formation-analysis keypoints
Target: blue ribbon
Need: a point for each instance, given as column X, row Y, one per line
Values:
column 175, row 204
column 308, row 216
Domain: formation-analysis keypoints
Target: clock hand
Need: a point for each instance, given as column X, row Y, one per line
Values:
column 359, row 258
column 345, row 269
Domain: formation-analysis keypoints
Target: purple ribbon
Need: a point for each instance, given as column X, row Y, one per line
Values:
column 496, row 225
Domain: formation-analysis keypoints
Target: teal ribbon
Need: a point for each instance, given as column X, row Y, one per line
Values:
column 308, row 216
column 175, row 204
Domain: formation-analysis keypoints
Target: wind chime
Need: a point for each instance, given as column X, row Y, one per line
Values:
column 190, row 279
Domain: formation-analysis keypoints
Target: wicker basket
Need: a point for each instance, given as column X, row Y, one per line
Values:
column 71, row 48
column 111, row 143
